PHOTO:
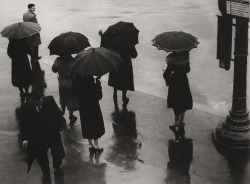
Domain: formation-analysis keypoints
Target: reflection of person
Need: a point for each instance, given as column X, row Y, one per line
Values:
column 21, row 72
column 35, row 39
column 41, row 123
column 90, row 92
column 123, row 79
column 67, row 98
column 179, row 94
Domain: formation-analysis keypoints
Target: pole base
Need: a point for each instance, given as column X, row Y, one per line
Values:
column 232, row 139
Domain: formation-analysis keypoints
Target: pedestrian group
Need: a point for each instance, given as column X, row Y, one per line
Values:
column 41, row 118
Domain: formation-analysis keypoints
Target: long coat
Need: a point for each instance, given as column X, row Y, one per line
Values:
column 123, row 79
column 21, row 71
column 67, row 97
column 179, row 94
column 90, row 112
column 42, row 129
column 35, row 39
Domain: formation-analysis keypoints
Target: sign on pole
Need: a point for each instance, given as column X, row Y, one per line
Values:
column 238, row 8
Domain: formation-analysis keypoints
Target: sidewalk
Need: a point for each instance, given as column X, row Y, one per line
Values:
column 136, row 144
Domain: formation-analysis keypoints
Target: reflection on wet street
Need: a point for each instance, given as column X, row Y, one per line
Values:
column 138, row 145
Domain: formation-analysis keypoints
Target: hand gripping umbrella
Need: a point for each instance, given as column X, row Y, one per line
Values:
column 95, row 62
column 68, row 43
column 20, row 30
column 175, row 41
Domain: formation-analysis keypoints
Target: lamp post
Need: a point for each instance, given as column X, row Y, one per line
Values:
column 234, row 133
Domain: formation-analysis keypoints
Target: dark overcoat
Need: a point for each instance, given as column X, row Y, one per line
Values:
column 42, row 129
column 21, row 71
column 35, row 39
column 179, row 94
column 89, row 94
column 123, row 79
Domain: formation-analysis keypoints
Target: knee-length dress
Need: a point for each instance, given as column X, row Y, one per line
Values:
column 90, row 112
column 123, row 79
column 21, row 73
column 179, row 94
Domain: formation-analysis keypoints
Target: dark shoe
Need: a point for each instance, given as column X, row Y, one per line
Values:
column 92, row 149
column 125, row 100
column 98, row 151
column 72, row 119
column 176, row 133
column 45, row 177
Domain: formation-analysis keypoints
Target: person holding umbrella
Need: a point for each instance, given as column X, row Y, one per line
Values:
column 179, row 94
column 86, row 65
column 122, row 38
column 175, row 75
column 18, row 51
column 64, row 45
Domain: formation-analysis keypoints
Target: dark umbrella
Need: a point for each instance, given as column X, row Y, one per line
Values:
column 68, row 43
column 175, row 41
column 121, row 34
column 95, row 62
column 20, row 30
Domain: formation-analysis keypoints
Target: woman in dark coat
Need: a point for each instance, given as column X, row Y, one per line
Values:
column 123, row 79
column 18, row 51
column 90, row 92
column 67, row 98
column 179, row 94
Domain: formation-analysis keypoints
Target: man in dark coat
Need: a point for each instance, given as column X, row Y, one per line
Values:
column 41, row 123
column 35, row 39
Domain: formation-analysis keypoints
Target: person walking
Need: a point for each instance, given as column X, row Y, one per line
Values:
column 41, row 123
column 179, row 94
column 67, row 98
column 123, row 79
column 34, row 40
column 21, row 72
column 90, row 92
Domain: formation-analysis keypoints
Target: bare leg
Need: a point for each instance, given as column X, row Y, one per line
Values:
column 98, row 149
column 115, row 99
column 177, row 120
column 182, row 117
column 96, row 143
column 90, row 143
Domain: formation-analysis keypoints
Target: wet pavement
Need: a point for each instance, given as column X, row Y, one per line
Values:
column 137, row 143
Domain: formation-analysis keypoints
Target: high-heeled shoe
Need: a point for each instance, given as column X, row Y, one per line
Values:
column 125, row 100
column 98, row 151
column 72, row 119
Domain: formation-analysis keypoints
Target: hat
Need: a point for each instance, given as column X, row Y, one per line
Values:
column 36, row 94
column 31, row 5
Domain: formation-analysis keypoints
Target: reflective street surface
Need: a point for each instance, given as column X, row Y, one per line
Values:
column 138, row 145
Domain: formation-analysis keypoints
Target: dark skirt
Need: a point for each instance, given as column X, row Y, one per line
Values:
column 91, row 119
column 123, row 79
column 179, row 94
column 21, row 72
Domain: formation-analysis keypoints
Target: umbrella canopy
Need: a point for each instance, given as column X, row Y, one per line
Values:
column 95, row 62
column 68, row 43
column 119, row 34
column 175, row 41
column 20, row 30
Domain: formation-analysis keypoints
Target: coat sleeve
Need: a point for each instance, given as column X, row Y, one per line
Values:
column 167, row 74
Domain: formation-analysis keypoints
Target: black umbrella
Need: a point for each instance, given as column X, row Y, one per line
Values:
column 68, row 43
column 120, row 35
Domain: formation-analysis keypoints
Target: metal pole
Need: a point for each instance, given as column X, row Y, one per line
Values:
column 234, row 133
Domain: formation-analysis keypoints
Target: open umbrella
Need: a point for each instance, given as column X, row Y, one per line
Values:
column 175, row 41
column 68, row 43
column 119, row 34
column 20, row 30
column 95, row 62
